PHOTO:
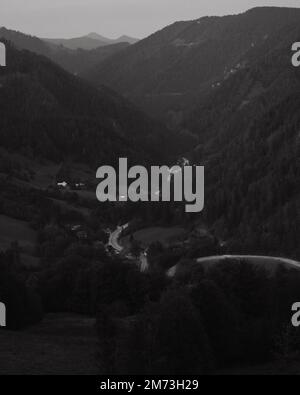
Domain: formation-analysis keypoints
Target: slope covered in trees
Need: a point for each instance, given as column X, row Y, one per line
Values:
column 76, row 61
column 169, row 69
column 90, row 41
column 248, row 130
column 49, row 113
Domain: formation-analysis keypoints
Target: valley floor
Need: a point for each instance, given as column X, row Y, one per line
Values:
column 271, row 369
column 66, row 344
column 63, row 344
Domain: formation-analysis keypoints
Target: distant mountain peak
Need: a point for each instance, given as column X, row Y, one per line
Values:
column 123, row 38
column 90, row 41
column 128, row 39
column 96, row 36
column 188, row 58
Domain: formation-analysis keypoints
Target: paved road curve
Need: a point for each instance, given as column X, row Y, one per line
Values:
column 114, row 238
column 114, row 243
column 256, row 258
column 252, row 258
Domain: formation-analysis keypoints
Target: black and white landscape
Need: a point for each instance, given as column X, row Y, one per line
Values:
column 145, row 288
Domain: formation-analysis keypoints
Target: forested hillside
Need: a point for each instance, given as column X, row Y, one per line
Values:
column 76, row 61
column 90, row 41
column 47, row 112
column 170, row 69
column 155, row 290
column 248, row 127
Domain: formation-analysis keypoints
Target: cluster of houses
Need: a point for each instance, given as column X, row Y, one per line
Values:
column 79, row 186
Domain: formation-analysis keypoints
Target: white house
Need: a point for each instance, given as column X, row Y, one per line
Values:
column 63, row 184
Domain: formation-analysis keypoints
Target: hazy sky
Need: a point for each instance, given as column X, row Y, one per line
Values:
column 139, row 18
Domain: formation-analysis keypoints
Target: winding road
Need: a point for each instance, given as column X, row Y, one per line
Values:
column 256, row 259
column 114, row 243
column 114, row 238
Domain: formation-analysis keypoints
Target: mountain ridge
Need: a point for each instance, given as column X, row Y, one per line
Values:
column 74, row 61
column 60, row 115
column 90, row 41
column 248, row 129
column 171, row 67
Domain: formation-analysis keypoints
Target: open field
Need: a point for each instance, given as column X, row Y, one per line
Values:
column 165, row 236
column 61, row 344
column 88, row 195
column 15, row 230
column 291, row 368
column 65, row 206
column 45, row 175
